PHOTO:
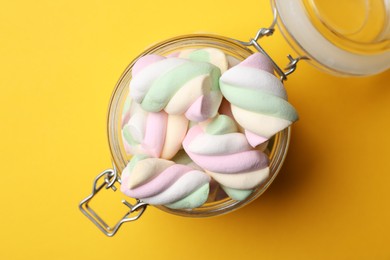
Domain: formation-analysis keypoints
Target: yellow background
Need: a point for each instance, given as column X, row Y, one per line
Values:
column 59, row 62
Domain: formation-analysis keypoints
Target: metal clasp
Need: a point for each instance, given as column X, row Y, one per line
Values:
column 110, row 178
column 291, row 66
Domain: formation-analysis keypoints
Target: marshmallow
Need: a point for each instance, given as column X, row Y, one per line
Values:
column 176, row 85
column 126, row 111
column 210, row 55
column 162, row 182
column 155, row 134
column 227, row 156
column 258, row 99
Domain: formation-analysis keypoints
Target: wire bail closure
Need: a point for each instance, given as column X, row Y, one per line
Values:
column 291, row 66
column 110, row 177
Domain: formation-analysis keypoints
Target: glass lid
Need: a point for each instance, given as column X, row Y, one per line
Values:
column 339, row 36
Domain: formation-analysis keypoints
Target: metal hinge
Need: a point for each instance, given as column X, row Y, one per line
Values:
column 254, row 42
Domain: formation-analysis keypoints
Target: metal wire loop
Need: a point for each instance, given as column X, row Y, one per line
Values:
column 109, row 178
column 292, row 65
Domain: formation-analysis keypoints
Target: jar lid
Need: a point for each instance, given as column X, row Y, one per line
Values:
column 341, row 37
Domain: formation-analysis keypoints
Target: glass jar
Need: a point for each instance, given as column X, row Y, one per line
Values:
column 277, row 146
column 357, row 47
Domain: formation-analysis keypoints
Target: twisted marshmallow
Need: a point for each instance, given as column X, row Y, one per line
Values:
column 162, row 182
column 210, row 55
column 155, row 134
column 226, row 155
column 258, row 99
column 178, row 86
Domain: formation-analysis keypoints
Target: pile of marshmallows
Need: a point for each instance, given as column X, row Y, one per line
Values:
column 196, row 120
